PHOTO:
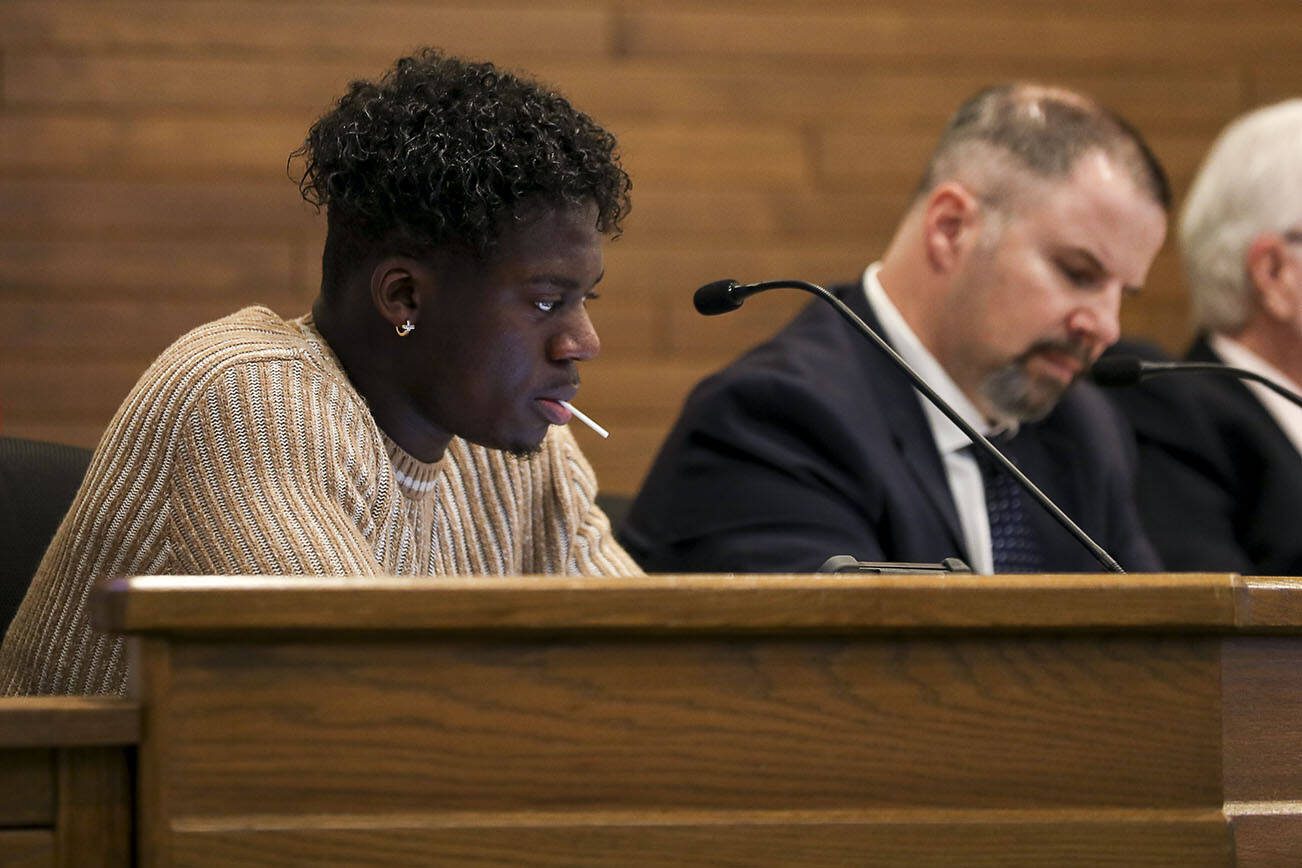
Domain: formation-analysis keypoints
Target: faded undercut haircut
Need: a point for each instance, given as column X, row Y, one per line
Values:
column 1043, row 131
column 440, row 152
column 1250, row 183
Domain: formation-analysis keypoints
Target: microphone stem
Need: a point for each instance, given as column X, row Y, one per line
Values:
column 1154, row 368
column 977, row 439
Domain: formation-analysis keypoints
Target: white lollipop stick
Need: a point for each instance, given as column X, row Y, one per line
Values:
column 582, row 417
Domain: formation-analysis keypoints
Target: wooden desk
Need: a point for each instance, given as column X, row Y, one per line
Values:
column 65, row 787
column 745, row 720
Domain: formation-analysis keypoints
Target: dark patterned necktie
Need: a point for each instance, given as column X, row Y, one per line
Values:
column 1016, row 550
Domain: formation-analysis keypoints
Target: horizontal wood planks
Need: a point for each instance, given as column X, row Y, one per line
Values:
column 28, row 795
column 1190, row 839
column 655, row 604
column 658, row 745
column 143, row 148
column 27, row 848
column 65, row 781
column 1263, row 761
column 57, row 721
column 713, row 720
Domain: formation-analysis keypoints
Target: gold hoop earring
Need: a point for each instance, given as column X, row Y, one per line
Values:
column 405, row 329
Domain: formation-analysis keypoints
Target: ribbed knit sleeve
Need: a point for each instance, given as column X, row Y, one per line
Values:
column 115, row 526
column 269, row 479
column 236, row 453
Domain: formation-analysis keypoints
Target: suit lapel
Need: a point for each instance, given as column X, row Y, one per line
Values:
column 907, row 422
column 1247, row 402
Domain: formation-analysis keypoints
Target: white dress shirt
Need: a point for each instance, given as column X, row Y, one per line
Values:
column 961, row 468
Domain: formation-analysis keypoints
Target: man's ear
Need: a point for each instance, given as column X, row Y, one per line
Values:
column 398, row 289
column 1274, row 277
column 949, row 225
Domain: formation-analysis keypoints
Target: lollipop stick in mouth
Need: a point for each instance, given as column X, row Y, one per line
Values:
column 583, row 417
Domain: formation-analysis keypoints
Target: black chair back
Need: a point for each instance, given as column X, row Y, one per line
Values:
column 38, row 481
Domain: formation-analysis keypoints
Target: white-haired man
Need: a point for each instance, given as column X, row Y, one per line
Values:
column 1220, row 475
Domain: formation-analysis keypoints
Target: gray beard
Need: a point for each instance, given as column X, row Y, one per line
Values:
column 1014, row 396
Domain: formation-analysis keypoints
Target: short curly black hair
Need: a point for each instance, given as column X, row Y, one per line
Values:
column 441, row 150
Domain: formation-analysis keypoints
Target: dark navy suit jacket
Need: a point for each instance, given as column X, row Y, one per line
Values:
column 814, row 444
column 1220, row 484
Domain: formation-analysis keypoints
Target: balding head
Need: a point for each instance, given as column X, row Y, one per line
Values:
column 1005, row 137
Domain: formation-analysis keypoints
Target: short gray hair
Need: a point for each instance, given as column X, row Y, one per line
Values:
column 1250, row 183
column 1043, row 131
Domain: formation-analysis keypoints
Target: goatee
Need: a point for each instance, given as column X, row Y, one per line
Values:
column 1016, row 394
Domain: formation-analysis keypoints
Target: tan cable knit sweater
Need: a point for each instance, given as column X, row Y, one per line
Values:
column 244, row 450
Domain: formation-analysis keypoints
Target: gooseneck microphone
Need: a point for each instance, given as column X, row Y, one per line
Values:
column 723, row 296
column 1128, row 370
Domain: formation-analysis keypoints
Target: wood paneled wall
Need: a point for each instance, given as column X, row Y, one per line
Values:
column 143, row 187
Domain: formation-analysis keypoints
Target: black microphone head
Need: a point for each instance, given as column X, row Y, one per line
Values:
column 716, row 298
column 1117, row 371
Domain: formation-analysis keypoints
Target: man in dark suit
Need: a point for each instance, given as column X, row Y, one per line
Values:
column 1220, row 479
column 1038, row 211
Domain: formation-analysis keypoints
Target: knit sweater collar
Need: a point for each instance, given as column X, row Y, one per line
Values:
column 417, row 479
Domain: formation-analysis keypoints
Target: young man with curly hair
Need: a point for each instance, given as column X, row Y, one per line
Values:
column 413, row 423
